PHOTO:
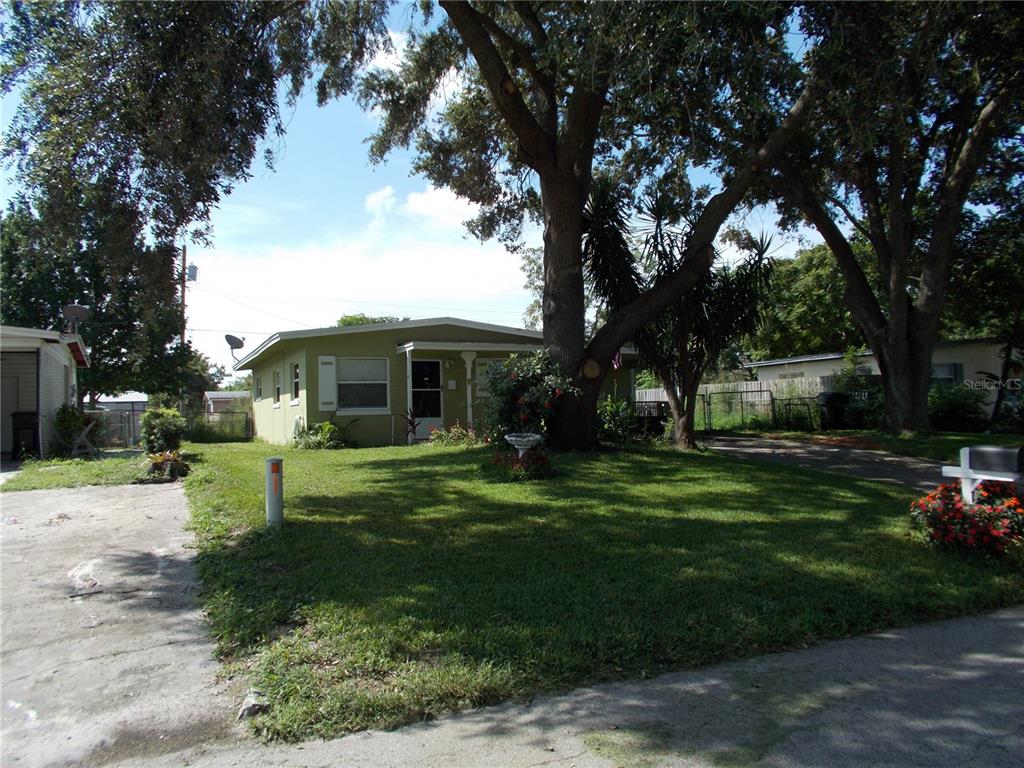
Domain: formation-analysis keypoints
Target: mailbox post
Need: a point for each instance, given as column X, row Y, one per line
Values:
column 275, row 492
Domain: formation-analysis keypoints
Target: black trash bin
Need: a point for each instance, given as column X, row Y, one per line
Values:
column 25, row 434
column 833, row 409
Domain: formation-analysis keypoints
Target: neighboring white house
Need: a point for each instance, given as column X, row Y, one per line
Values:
column 133, row 402
column 38, row 374
column 222, row 401
column 953, row 362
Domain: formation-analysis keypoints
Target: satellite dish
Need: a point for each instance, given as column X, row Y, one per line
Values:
column 74, row 314
column 235, row 343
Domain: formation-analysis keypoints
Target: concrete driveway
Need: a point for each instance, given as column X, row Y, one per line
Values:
column 104, row 654
column 919, row 474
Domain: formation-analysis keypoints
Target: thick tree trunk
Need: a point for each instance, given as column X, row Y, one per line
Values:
column 675, row 407
column 906, row 377
column 575, row 422
column 686, row 427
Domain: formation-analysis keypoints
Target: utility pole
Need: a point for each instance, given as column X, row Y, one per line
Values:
column 181, row 346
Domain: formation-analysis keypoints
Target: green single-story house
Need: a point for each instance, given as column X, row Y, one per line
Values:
column 365, row 378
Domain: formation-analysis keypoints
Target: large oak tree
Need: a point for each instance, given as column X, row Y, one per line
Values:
column 175, row 98
column 923, row 96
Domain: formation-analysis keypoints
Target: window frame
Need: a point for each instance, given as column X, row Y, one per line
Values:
column 276, row 386
column 482, row 364
column 258, row 387
column 296, row 386
column 362, row 410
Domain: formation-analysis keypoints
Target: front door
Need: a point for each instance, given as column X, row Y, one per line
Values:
column 426, row 397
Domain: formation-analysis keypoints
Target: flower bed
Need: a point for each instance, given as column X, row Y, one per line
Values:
column 507, row 466
column 993, row 525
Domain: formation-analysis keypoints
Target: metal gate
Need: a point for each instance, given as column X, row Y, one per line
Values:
column 739, row 409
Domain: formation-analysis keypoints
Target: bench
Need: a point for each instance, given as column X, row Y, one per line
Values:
column 986, row 462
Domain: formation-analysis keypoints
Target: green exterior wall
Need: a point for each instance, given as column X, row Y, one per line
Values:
column 276, row 422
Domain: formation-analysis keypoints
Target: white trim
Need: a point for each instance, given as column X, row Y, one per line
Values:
column 458, row 346
column 296, row 383
column 408, row 394
column 296, row 401
column 426, row 323
column 363, row 410
column 469, row 357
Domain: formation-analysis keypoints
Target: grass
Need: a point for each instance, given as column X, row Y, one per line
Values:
column 937, row 446
column 404, row 586
column 120, row 469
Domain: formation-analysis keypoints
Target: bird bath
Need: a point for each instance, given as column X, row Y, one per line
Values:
column 523, row 441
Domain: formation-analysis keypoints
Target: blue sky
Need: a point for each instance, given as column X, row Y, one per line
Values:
column 327, row 233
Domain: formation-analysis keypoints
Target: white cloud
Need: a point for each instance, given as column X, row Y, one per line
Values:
column 380, row 203
column 440, row 207
column 411, row 258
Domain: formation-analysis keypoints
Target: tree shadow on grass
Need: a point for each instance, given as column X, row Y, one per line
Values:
column 626, row 564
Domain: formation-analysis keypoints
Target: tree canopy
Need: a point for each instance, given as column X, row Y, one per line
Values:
column 364, row 319
column 173, row 100
column 923, row 113
column 134, row 307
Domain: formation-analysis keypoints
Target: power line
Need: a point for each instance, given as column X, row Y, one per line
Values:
column 335, row 302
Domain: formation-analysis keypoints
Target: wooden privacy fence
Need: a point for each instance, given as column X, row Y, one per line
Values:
column 781, row 389
column 788, row 403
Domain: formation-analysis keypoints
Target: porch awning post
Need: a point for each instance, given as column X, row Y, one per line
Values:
column 469, row 357
column 408, row 394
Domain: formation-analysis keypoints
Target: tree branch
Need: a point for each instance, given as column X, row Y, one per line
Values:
column 858, row 294
column 959, row 177
column 537, row 146
column 699, row 253
column 834, row 199
column 545, row 82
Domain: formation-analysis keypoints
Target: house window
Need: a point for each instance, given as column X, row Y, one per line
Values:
column 362, row 383
column 295, row 383
column 277, row 387
column 259, row 387
column 947, row 374
column 483, row 386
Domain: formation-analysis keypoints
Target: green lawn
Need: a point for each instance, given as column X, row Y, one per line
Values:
column 404, row 586
column 938, row 446
column 119, row 469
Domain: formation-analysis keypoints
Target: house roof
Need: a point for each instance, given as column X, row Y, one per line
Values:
column 36, row 337
column 226, row 395
column 246, row 361
column 839, row 355
column 124, row 397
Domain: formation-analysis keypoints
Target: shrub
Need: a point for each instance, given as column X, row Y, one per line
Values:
column 867, row 411
column 162, row 430
column 68, row 423
column 167, row 464
column 993, row 525
column 617, row 422
column 523, row 394
column 455, row 435
column 322, row 436
column 506, row 465
column 957, row 409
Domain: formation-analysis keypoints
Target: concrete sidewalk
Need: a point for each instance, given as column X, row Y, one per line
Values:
column 945, row 694
column 919, row 474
